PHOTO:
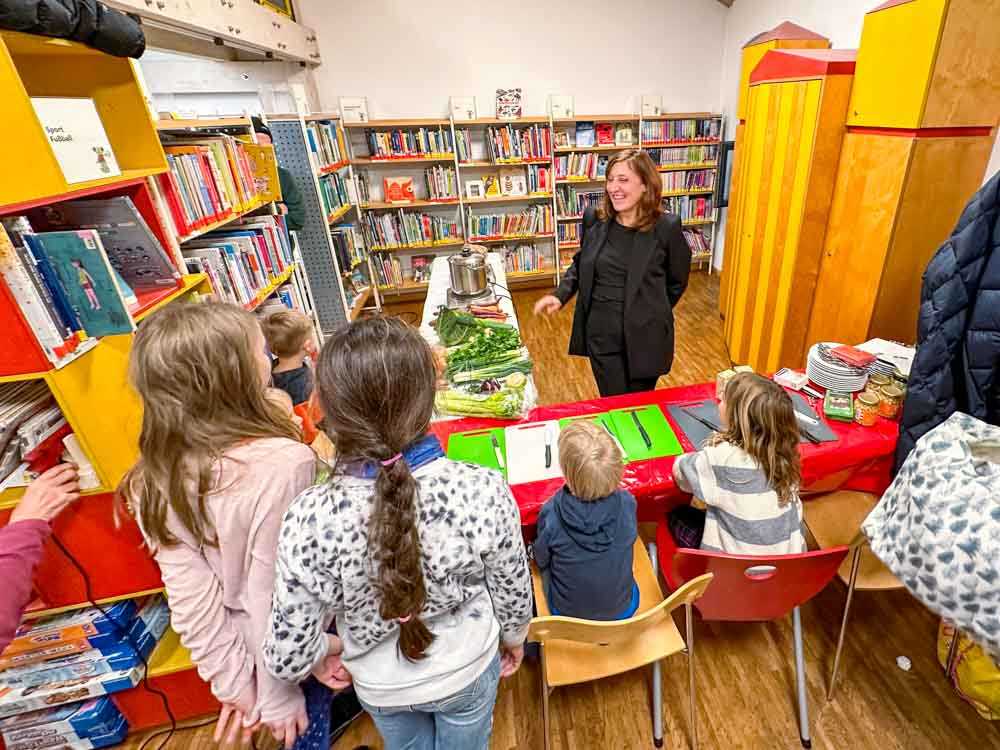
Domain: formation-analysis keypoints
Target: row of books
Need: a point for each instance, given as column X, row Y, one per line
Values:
column 697, row 241
column 334, row 191
column 665, row 131
column 286, row 297
column 243, row 259
column 691, row 179
column 406, row 229
column 585, row 165
column 536, row 219
column 510, row 143
column 572, row 202
column 690, row 206
column 210, row 179
column 569, row 232
column 442, row 183
column 326, row 144
column 348, row 246
column 388, row 269
column 524, row 258
column 463, row 144
column 588, row 134
column 396, row 144
column 65, row 287
column 92, row 651
column 684, row 155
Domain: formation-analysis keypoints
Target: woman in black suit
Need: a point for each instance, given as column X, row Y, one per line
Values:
column 630, row 272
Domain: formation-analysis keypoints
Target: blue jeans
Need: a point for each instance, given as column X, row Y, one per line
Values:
column 462, row 721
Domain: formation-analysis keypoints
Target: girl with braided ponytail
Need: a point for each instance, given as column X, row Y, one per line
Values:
column 418, row 558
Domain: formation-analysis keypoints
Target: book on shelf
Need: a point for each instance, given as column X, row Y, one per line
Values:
column 463, row 144
column 690, row 207
column 508, row 103
column 242, row 260
column 585, row 134
column 421, row 267
column 697, row 241
column 624, row 134
column 363, row 186
column 400, row 229
column 535, row 219
column 410, row 143
column 513, row 181
column 581, row 165
column 525, row 258
column 442, row 183
column 335, row 192
column 561, row 106
column 652, row 105
column 539, row 179
column 132, row 248
column 562, row 139
column 518, row 143
column 398, row 189
column 706, row 129
column 569, row 232
column 77, row 137
column 463, row 108
column 605, row 132
column 325, row 144
column 491, row 186
column 97, row 722
column 573, row 202
column 388, row 269
column 475, row 189
column 348, row 247
column 354, row 109
column 690, row 179
column 695, row 154
column 77, row 264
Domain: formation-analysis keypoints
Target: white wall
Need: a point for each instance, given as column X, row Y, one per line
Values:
column 409, row 58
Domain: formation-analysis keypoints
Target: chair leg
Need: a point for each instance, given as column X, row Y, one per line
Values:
column 657, row 675
column 689, row 619
column 800, row 680
column 851, row 583
column 545, row 700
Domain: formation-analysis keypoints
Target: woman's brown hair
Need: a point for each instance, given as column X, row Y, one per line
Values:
column 650, row 209
column 195, row 369
column 762, row 422
column 376, row 383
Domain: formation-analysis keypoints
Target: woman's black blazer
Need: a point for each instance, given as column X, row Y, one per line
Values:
column 657, row 276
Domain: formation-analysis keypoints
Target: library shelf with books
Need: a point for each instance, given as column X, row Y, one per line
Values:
column 202, row 123
column 398, row 124
column 693, row 191
column 150, row 302
column 606, row 147
column 331, row 168
column 392, row 161
column 339, row 214
column 510, row 238
column 418, row 203
column 578, row 180
column 487, row 199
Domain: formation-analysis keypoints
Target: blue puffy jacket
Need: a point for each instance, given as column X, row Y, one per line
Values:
column 957, row 365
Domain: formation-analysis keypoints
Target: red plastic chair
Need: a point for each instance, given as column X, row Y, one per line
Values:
column 752, row 588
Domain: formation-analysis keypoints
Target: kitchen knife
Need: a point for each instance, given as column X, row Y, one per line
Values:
column 699, row 418
column 642, row 430
column 621, row 447
column 804, row 420
column 548, row 446
column 497, row 452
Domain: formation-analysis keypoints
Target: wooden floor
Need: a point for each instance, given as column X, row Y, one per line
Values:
column 745, row 673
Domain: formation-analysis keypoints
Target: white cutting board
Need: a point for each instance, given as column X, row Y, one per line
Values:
column 526, row 452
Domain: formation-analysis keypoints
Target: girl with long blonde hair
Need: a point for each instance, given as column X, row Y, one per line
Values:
column 747, row 476
column 219, row 463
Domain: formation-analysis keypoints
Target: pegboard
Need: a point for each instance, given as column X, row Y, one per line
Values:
column 314, row 238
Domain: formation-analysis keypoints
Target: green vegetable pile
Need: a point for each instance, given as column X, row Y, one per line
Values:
column 507, row 402
column 455, row 327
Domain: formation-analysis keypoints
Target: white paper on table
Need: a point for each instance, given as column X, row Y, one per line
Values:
column 526, row 452
column 898, row 354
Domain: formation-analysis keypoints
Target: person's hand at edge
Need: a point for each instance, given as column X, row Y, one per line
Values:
column 548, row 305
column 510, row 659
column 47, row 496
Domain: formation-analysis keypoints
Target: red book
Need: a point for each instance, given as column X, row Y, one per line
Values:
column 168, row 184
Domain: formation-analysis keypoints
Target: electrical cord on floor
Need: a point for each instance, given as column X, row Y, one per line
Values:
column 500, row 286
column 122, row 631
column 180, row 728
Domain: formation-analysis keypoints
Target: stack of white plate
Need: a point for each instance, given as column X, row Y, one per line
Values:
column 833, row 376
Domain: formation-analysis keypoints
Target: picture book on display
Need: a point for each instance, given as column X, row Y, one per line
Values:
column 605, row 134
column 561, row 106
column 398, row 189
column 77, row 136
column 508, row 104
column 463, row 108
column 584, row 134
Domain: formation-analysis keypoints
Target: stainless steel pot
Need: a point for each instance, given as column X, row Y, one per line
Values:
column 469, row 273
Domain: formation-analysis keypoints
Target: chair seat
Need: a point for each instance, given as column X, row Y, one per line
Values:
column 570, row 662
column 835, row 519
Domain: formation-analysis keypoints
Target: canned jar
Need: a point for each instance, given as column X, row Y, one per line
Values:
column 866, row 409
column 876, row 382
column 891, row 402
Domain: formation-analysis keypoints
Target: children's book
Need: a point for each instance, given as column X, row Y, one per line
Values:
column 398, row 189
column 508, row 104
column 561, row 106
column 463, row 108
column 584, row 134
column 513, row 181
column 77, row 136
column 354, row 109
column 605, row 134
column 86, row 277
column 652, row 105
column 562, row 139
column 624, row 135
column 491, row 185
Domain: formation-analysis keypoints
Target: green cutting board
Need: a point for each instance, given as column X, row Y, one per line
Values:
column 661, row 434
column 475, row 447
column 604, row 418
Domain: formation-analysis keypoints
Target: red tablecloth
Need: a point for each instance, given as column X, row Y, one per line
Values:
column 860, row 460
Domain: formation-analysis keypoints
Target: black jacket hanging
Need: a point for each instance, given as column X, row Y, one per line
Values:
column 87, row 21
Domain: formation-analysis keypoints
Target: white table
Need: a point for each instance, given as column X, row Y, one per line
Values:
column 437, row 295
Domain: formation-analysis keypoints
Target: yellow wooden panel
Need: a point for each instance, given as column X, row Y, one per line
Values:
column 928, row 211
column 965, row 86
column 866, row 198
column 733, row 218
column 169, row 656
column 103, row 409
column 265, row 171
column 751, row 56
column 895, row 62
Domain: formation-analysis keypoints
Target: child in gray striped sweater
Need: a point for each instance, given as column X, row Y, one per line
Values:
column 747, row 477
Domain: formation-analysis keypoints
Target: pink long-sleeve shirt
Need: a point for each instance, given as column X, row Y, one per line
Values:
column 20, row 550
column 220, row 597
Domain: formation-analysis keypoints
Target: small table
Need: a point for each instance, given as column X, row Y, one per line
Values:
column 861, row 459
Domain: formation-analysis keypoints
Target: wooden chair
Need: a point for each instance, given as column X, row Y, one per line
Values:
column 835, row 519
column 575, row 650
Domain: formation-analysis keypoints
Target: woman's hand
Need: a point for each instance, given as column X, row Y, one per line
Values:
column 331, row 671
column 48, row 495
column 238, row 720
column 510, row 659
column 548, row 305
column 289, row 729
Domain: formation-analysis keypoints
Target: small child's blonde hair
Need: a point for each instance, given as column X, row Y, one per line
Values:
column 286, row 332
column 590, row 460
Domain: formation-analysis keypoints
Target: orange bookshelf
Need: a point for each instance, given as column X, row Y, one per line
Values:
column 331, row 168
column 510, row 238
column 150, row 302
